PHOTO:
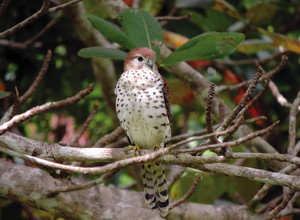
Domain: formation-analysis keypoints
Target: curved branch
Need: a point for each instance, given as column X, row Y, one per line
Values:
column 44, row 108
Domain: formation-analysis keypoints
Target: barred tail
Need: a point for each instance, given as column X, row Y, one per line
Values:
column 155, row 188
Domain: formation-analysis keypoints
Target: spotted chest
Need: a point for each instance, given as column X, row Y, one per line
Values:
column 141, row 108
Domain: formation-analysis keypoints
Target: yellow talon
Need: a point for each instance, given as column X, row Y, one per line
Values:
column 135, row 148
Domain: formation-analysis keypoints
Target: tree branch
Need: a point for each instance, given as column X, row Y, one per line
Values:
column 113, row 203
column 44, row 10
column 44, row 108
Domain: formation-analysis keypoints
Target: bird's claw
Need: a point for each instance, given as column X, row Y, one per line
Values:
column 135, row 148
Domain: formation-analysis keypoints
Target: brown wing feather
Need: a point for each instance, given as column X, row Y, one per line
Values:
column 167, row 99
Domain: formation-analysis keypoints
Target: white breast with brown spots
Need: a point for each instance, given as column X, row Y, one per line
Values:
column 141, row 108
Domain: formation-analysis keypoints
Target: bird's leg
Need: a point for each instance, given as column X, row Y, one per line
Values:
column 158, row 147
column 135, row 148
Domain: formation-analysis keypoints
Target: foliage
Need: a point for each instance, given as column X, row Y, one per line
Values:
column 216, row 33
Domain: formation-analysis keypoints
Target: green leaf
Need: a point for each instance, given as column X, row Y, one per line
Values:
column 152, row 6
column 4, row 94
column 111, row 32
column 205, row 192
column 141, row 28
column 92, row 7
column 206, row 46
column 102, row 52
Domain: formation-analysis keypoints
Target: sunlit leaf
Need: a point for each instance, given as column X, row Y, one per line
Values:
column 291, row 44
column 152, row 6
column 254, row 46
column 180, row 93
column 111, row 32
column 262, row 12
column 173, row 39
column 141, row 28
column 206, row 46
column 102, row 52
column 226, row 8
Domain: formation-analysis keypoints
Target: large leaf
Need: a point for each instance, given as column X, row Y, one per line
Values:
column 102, row 52
column 206, row 46
column 111, row 32
column 262, row 12
column 290, row 43
column 141, row 28
column 205, row 192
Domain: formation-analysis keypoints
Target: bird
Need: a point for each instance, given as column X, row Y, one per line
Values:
column 143, row 109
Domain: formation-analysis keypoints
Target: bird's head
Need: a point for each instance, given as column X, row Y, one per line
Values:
column 140, row 58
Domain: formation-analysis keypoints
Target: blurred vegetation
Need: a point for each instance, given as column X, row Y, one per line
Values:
column 68, row 73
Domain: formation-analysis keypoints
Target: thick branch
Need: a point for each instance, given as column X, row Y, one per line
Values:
column 99, row 202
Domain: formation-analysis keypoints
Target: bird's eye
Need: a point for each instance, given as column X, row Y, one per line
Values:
column 140, row 59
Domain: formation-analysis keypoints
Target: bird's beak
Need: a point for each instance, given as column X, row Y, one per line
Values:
column 150, row 63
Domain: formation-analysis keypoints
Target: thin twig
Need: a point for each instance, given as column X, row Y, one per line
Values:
column 282, row 205
column 278, row 96
column 245, row 98
column 208, row 114
column 297, row 148
column 175, row 173
column 256, row 98
column 109, row 137
column 85, row 125
column 292, row 125
column 188, row 193
column 82, row 186
column 236, row 126
column 252, row 61
column 266, row 187
column 264, row 156
column 283, row 61
column 44, row 108
column 171, row 13
column 26, row 44
column 43, row 10
column 227, row 144
column 38, row 79
column 174, row 18
column 29, row 212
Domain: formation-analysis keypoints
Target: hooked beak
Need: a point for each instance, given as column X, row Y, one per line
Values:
column 150, row 63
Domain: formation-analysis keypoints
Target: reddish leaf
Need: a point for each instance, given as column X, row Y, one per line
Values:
column 180, row 93
column 254, row 46
column 173, row 39
column 176, row 41
column 128, row 2
column 254, row 111
column 291, row 44
column 226, row 8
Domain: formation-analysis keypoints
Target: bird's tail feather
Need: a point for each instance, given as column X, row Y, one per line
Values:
column 155, row 188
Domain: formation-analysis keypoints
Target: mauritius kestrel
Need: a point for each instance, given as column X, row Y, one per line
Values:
column 143, row 108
